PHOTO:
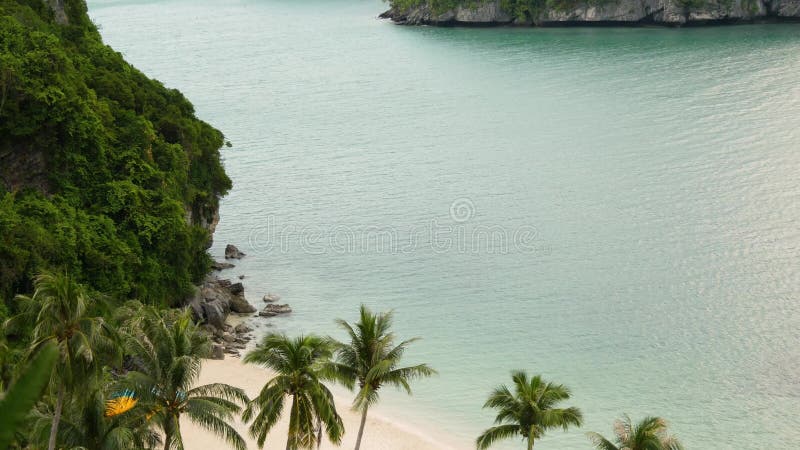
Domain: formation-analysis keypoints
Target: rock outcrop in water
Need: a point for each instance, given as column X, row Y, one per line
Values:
column 598, row 12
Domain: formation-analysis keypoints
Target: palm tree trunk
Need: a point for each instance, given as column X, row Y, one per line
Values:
column 361, row 428
column 292, row 434
column 51, row 445
column 530, row 443
column 167, row 433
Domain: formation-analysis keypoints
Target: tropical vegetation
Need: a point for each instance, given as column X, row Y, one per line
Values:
column 648, row 434
column 58, row 311
column 528, row 411
column 167, row 348
column 300, row 366
column 100, row 166
column 371, row 360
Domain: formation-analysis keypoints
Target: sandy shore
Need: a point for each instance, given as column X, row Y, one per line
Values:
column 380, row 433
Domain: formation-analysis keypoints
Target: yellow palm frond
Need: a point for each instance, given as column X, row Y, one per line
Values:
column 120, row 405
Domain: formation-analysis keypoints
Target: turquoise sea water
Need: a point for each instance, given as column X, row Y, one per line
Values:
column 618, row 209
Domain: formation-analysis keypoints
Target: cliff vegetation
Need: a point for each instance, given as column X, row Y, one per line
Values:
column 105, row 174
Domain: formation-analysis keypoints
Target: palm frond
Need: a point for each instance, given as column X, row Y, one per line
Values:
column 23, row 394
column 212, row 419
column 600, row 442
column 494, row 434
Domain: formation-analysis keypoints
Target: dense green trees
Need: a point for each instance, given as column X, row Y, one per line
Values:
column 371, row 360
column 528, row 411
column 100, row 166
column 164, row 351
column 300, row 369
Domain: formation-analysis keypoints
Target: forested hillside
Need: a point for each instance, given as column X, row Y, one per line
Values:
column 105, row 173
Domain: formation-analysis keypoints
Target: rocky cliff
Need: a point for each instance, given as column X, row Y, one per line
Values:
column 597, row 12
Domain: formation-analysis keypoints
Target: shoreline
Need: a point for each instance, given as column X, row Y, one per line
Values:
column 381, row 432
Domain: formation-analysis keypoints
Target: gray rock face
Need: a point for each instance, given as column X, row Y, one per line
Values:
column 215, row 312
column 58, row 11
column 785, row 8
column 618, row 12
column 23, row 166
column 207, row 218
column 488, row 12
column 215, row 299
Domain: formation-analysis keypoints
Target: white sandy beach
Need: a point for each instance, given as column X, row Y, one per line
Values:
column 380, row 433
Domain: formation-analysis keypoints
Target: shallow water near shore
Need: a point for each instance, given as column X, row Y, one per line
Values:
column 616, row 209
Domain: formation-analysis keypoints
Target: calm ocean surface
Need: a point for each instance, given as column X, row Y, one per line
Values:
column 617, row 209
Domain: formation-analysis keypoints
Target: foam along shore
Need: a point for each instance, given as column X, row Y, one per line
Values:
column 380, row 432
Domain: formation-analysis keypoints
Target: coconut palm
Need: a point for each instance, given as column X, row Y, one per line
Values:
column 529, row 411
column 649, row 434
column 167, row 350
column 371, row 360
column 299, row 364
column 59, row 310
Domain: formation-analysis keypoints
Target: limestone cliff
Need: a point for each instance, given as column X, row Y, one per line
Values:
column 598, row 12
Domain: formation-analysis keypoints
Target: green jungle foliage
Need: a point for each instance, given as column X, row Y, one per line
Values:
column 113, row 165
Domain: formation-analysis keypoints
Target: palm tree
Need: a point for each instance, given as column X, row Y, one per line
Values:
column 86, row 425
column 529, row 411
column 299, row 364
column 167, row 350
column 59, row 310
column 371, row 359
column 648, row 434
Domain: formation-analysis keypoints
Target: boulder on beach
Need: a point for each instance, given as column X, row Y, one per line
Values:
column 231, row 252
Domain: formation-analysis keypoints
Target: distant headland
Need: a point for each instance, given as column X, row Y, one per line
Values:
column 590, row 12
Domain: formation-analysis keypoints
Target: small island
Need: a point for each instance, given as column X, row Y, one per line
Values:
column 543, row 13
